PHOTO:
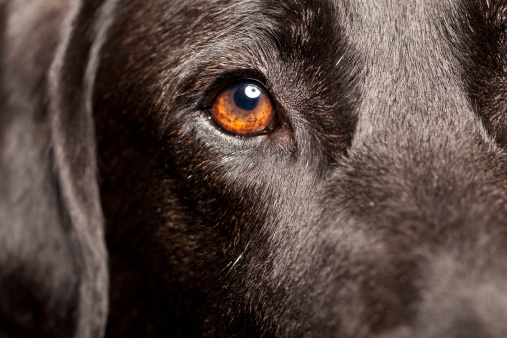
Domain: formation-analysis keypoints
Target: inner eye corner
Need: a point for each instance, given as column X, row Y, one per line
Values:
column 244, row 108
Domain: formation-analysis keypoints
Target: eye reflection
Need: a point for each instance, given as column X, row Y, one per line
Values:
column 247, row 97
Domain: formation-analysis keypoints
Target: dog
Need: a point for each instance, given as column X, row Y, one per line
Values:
column 284, row 168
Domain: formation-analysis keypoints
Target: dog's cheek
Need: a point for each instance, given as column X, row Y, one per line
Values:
column 169, row 243
column 152, row 239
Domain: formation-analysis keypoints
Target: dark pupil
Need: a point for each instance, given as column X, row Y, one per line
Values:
column 242, row 100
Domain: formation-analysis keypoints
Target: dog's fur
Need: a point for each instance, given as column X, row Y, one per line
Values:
column 377, row 207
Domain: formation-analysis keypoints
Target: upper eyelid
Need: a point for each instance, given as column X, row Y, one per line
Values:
column 215, row 84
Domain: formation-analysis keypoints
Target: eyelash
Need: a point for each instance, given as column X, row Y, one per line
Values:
column 223, row 80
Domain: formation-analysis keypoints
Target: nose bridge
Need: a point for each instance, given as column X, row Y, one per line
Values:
column 413, row 85
column 425, row 161
column 414, row 106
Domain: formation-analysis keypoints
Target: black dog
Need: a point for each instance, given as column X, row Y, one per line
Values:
column 325, row 168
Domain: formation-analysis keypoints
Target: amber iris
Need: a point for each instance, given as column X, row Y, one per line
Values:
column 243, row 108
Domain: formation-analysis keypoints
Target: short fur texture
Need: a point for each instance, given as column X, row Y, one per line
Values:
column 376, row 208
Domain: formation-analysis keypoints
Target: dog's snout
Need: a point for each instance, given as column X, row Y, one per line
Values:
column 432, row 223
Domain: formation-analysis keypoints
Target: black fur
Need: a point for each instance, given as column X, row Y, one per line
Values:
column 376, row 208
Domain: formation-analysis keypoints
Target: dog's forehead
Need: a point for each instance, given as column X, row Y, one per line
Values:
column 412, row 55
column 378, row 61
column 404, row 55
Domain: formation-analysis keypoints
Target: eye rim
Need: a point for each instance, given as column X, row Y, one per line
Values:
column 269, row 128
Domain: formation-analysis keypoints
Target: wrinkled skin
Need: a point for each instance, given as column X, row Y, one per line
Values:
column 375, row 208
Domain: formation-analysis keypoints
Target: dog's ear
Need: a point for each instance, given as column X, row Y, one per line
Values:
column 71, row 82
column 53, row 259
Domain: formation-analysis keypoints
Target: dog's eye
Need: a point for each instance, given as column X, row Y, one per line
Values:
column 244, row 108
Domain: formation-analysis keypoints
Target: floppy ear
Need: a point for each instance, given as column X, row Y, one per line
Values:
column 53, row 259
column 71, row 78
